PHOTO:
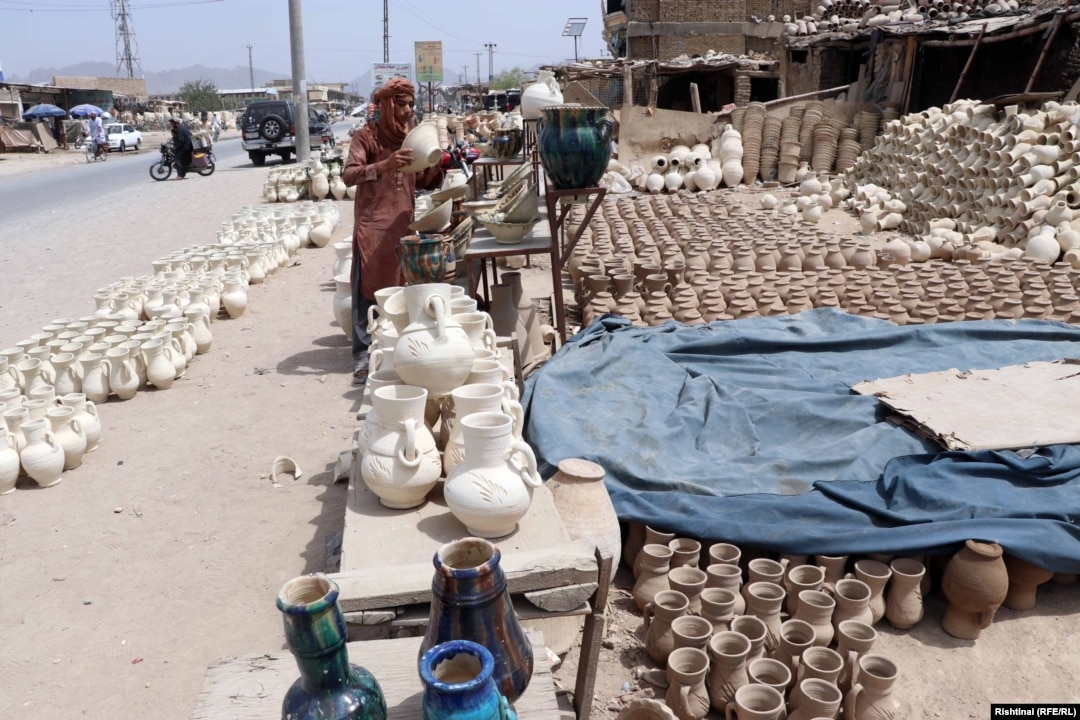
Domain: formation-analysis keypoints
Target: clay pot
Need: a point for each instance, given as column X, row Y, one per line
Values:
column 718, row 607
column 655, row 561
column 1024, row 580
column 903, row 601
column 755, row 630
column 666, row 606
column 816, row 608
column 686, row 693
column 755, row 702
column 976, row 583
column 852, row 602
column 764, row 600
column 652, row 537
column 875, row 574
column 690, row 582
column 728, row 652
column 853, row 640
column 727, row 577
column 585, row 506
column 871, row 696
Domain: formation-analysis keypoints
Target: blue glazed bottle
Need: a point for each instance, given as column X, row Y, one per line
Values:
column 458, row 684
column 574, row 145
column 329, row 687
column 470, row 602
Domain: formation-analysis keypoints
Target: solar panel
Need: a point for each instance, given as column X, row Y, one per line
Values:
column 574, row 27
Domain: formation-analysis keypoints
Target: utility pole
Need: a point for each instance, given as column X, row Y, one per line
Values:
column 299, row 81
column 464, row 74
column 478, row 55
column 491, row 60
column 251, row 68
column 127, row 59
column 386, row 31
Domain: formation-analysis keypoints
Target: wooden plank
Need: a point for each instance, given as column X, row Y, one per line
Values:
column 251, row 687
column 563, row 598
column 592, row 637
column 387, row 587
column 695, row 98
column 417, row 616
column 628, row 85
column 380, row 542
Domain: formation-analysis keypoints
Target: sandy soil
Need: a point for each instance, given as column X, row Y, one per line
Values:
column 165, row 550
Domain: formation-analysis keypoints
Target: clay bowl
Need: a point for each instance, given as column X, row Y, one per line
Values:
column 476, row 207
column 434, row 220
column 506, row 233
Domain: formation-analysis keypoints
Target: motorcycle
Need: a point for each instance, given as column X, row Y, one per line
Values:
column 202, row 162
column 459, row 155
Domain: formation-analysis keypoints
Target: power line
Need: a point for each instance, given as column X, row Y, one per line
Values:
column 37, row 7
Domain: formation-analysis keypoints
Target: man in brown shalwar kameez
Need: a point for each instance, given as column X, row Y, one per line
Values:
column 384, row 204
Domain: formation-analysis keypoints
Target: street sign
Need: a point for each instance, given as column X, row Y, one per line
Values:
column 381, row 72
column 429, row 61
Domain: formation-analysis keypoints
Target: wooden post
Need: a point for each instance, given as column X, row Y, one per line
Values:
column 627, row 85
column 909, row 70
column 695, row 98
column 1045, row 50
column 654, row 90
column 967, row 65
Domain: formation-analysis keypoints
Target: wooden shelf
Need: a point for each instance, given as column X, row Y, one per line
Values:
column 251, row 687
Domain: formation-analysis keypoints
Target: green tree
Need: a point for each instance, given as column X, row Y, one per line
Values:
column 509, row 78
column 200, row 95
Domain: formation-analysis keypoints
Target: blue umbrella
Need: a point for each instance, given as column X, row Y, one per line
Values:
column 44, row 110
column 85, row 109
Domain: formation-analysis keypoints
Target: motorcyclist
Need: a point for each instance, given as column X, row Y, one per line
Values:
column 182, row 147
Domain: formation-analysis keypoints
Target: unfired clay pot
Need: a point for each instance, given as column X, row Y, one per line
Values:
column 976, row 583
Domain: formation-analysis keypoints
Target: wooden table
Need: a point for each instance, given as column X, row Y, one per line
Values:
column 386, row 571
column 491, row 168
column 251, row 687
column 484, row 247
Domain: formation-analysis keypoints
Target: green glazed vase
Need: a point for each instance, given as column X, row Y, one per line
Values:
column 329, row 686
column 574, row 145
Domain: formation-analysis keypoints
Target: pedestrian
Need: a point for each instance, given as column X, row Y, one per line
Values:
column 182, row 147
column 384, row 204
column 215, row 127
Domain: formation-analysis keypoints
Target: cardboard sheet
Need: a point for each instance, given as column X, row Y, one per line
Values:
column 1019, row 406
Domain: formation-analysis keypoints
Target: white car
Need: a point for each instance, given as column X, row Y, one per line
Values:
column 123, row 137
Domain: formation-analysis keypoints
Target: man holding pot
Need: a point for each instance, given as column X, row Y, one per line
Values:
column 384, row 204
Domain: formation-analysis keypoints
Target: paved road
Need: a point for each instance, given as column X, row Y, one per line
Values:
column 67, row 231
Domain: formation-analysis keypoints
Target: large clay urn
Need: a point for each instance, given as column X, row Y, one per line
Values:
column 434, row 352
column 976, row 583
column 585, row 507
column 574, row 145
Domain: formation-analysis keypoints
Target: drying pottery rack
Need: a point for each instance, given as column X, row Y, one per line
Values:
column 386, row 572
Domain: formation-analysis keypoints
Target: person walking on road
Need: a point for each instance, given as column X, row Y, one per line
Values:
column 384, row 205
column 182, row 147
column 215, row 127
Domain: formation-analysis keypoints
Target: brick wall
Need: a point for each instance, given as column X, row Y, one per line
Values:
column 702, row 10
column 120, row 86
column 673, row 45
column 742, row 89
column 832, row 70
column 769, row 46
column 643, row 10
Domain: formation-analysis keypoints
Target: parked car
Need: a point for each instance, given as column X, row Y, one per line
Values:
column 270, row 129
column 122, row 136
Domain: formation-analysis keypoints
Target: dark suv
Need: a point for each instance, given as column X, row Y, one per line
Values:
column 270, row 129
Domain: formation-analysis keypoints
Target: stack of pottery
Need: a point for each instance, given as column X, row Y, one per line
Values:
column 867, row 123
column 997, row 179
column 815, row 110
column 753, row 123
column 848, row 149
column 731, row 156
column 770, row 146
column 826, row 135
column 789, row 149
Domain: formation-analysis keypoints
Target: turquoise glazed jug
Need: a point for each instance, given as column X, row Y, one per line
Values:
column 329, row 687
column 470, row 602
column 458, row 684
column 574, row 145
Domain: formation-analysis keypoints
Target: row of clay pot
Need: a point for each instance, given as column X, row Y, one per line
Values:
column 739, row 639
column 144, row 332
column 654, row 259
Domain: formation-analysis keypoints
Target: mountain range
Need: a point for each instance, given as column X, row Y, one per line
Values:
column 168, row 82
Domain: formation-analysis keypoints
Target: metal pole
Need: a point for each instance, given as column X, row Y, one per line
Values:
column 299, row 81
column 491, row 60
column 386, row 31
column 478, row 67
column 251, row 68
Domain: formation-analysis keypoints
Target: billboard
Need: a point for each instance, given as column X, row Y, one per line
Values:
column 381, row 72
column 429, row 61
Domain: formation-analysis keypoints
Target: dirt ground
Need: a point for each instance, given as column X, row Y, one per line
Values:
column 165, row 550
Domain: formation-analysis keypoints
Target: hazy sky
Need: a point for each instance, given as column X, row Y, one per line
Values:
column 341, row 37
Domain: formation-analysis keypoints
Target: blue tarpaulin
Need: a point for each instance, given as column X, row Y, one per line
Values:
column 749, row 432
